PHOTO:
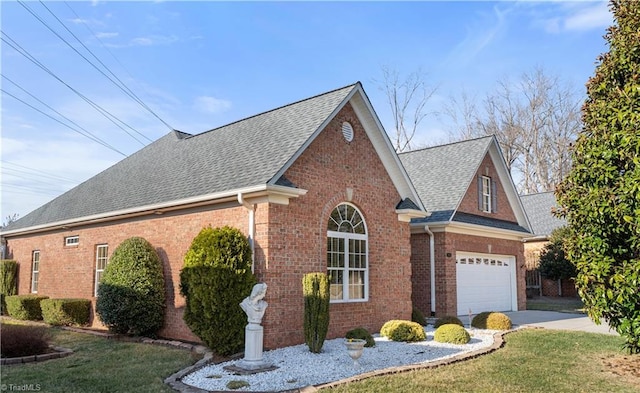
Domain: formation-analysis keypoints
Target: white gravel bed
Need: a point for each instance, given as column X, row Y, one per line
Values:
column 298, row 367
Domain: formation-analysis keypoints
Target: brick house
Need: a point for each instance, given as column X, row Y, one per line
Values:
column 315, row 185
column 539, row 208
column 467, row 256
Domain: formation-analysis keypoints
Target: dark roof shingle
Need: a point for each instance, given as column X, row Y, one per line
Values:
column 177, row 166
column 539, row 210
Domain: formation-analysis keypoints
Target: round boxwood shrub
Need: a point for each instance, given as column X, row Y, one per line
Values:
column 131, row 292
column 362, row 334
column 451, row 333
column 446, row 320
column 491, row 320
column 401, row 330
column 215, row 278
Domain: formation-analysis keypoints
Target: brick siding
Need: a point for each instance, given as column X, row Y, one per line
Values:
column 289, row 242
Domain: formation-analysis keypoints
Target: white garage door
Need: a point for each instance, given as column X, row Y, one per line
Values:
column 485, row 282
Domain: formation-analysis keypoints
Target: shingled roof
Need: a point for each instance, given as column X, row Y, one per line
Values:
column 442, row 174
column 539, row 209
column 251, row 152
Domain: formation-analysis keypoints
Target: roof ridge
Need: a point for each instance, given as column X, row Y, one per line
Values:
column 448, row 144
column 276, row 109
column 537, row 193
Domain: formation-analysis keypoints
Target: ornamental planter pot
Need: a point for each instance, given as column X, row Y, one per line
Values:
column 355, row 347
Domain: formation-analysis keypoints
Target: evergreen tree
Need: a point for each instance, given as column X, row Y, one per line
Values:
column 601, row 195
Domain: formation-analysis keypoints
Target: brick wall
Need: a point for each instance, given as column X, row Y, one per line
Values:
column 469, row 203
column 446, row 246
column 289, row 242
column 70, row 271
column 298, row 234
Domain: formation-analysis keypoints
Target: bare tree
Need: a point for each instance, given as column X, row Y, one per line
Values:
column 535, row 120
column 9, row 219
column 407, row 98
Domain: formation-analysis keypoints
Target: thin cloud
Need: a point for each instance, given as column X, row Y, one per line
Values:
column 210, row 104
column 572, row 17
column 151, row 40
column 106, row 35
column 594, row 17
column 477, row 39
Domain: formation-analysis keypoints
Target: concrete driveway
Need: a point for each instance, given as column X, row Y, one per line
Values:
column 558, row 321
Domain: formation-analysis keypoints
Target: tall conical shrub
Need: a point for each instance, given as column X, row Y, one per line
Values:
column 8, row 281
column 315, row 287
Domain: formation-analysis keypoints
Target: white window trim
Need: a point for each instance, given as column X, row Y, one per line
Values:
column 345, row 270
column 71, row 241
column 99, row 271
column 35, row 271
column 486, row 194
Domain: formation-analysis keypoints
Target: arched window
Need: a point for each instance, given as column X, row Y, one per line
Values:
column 347, row 254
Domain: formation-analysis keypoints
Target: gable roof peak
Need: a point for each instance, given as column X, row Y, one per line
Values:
column 487, row 137
column 351, row 86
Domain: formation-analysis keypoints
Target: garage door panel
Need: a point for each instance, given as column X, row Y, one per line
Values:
column 484, row 283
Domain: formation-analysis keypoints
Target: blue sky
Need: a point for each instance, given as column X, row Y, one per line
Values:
column 199, row 65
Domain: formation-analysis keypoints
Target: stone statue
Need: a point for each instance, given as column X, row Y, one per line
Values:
column 254, row 305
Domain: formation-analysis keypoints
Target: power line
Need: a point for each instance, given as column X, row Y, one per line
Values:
column 80, row 54
column 122, row 86
column 90, row 135
column 39, row 171
column 13, row 44
column 64, row 124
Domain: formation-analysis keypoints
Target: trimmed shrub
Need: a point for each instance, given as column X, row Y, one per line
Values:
column 25, row 307
column 418, row 317
column 315, row 288
column 66, row 312
column 400, row 330
column 23, row 340
column 451, row 333
column 446, row 320
column 8, row 281
column 491, row 320
column 362, row 334
column 131, row 292
column 215, row 278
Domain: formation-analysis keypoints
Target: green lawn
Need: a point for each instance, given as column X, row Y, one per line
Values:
column 100, row 365
column 567, row 304
column 531, row 361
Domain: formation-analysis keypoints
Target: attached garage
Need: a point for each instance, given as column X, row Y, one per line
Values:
column 485, row 282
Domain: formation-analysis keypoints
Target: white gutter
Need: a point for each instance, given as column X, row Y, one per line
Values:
column 251, row 207
column 432, row 268
column 282, row 192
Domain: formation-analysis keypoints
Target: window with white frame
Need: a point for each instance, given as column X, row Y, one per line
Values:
column 71, row 240
column 102, row 252
column 35, row 271
column 486, row 194
column 347, row 254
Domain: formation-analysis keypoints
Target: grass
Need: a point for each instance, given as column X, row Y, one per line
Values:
column 100, row 365
column 568, row 304
column 531, row 361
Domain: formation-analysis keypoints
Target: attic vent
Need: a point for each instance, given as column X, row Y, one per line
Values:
column 347, row 131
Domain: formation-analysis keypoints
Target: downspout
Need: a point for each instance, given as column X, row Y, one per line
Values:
column 252, row 227
column 432, row 268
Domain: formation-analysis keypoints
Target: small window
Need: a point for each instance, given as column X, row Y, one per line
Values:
column 71, row 241
column 102, row 252
column 486, row 194
column 35, row 271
